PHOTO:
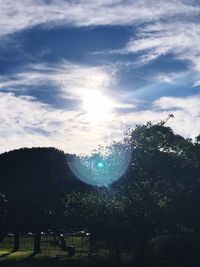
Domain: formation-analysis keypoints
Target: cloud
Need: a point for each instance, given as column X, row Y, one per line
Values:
column 189, row 105
column 162, row 28
column 170, row 77
column 24, row 14
column 27, row 121
column 72, row 80
column 185, row 109
column 178, row 38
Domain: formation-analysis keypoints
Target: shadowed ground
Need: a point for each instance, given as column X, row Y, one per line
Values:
column 23, row 259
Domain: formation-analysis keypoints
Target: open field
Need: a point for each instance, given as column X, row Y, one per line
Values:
column 81, row 243
column 23, row 259
column 51, row 255
column 171, row 251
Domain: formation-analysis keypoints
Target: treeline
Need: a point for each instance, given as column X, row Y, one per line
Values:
column 158, row 195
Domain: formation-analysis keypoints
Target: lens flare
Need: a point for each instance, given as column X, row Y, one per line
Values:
column 102, row 169
column 100, row 164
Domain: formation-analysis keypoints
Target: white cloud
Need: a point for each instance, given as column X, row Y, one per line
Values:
column 26, row 122
column 22, row 14
column 186, row 111
column 171, row 27
column 171, row 77
column 163, row 27
column 178, row 38
column 72, row 80
column 189, row 105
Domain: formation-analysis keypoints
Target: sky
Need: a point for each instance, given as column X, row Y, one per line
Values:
column 77, row 73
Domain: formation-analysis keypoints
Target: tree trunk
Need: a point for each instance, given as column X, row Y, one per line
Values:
column 37, row 241
column 117, row 253
column 16, row 241
column 91, row 246
column 62, row 243
column 140, row 253
column 118, row 257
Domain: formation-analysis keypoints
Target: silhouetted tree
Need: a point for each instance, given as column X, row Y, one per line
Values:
column 157, row 183
column 157, row 195
column 35, row 182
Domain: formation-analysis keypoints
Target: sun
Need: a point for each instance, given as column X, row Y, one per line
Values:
column 96, row 106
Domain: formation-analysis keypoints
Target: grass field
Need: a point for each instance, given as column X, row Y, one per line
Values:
column 22, row 259
column 81, row 244
column 51, row 256
column 54, row 257
column 170, row 252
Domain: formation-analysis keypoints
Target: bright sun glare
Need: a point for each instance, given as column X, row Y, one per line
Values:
column 97, row 106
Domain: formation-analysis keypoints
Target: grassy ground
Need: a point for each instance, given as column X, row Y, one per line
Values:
column 51, row 259
column 51, row 256
column 26, row 243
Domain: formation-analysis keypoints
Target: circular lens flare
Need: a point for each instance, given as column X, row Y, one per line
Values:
column 102, row 169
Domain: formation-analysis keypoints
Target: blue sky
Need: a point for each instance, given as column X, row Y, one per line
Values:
column 75, row 74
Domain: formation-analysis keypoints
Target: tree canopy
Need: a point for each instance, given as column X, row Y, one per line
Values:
column 157, row 193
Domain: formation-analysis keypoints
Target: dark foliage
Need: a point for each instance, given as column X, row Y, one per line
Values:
column 157, row 196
